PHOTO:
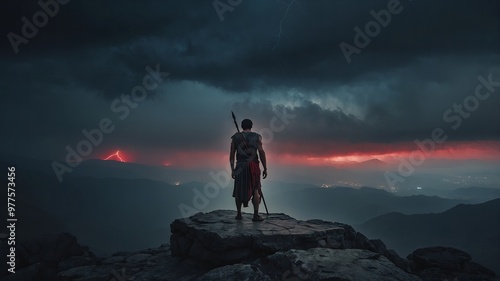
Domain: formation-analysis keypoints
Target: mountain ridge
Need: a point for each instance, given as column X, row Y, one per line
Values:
column 470, row 227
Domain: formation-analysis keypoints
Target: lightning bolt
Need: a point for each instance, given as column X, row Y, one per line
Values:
column 281, row 22
column 117, row 154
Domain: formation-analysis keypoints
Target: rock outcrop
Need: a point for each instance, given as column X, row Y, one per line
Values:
column 445, row 263
column 218, row 239
column 215, row 246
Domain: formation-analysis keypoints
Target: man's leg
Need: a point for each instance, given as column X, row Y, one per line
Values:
column 238, row 208
column 256, row 202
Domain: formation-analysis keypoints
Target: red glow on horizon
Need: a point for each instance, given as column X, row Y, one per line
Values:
column 296, row 154
column 117, row 155
column 479, row 150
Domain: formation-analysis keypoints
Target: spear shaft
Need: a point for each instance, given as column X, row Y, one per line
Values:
column 235, row 123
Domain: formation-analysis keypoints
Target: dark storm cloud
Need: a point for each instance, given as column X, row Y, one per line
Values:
column 395, row 90
column 115, row 41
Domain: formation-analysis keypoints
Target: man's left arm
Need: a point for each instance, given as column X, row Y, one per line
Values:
column 263, row 159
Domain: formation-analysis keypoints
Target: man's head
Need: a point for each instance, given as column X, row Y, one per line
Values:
column 246, row 124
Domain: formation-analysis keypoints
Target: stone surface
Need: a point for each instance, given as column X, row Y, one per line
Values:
column 217, row 235
column 87, row 273
column 243, row 272
column 333, row 264
column 217, row 238
column 76, row 261
column 114, row 259
column 138, row 258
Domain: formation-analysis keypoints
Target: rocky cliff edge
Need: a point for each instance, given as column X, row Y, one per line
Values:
column 215, row 246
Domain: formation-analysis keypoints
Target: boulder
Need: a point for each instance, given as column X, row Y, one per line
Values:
column 441, row 257
column 446, row 263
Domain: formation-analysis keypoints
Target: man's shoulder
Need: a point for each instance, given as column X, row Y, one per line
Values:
column 246, row 135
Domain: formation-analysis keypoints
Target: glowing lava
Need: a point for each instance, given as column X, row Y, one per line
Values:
column 117, row 154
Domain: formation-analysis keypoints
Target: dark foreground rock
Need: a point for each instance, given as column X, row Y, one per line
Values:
column 150, row 264
column 214, row 246
column 41, row 258
column 334, row 264
column 445, row 263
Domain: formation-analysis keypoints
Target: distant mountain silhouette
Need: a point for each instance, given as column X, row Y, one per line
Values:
column 473, row 228
column 354, row 206
column 474, row 193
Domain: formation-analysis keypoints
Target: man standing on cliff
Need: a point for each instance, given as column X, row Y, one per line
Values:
column 246, row 174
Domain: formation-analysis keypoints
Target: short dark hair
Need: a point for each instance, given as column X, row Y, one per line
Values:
column 246, row 124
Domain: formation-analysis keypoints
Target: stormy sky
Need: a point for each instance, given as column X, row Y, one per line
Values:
column 278, row 63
